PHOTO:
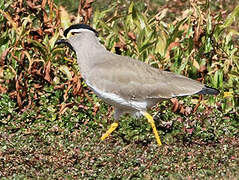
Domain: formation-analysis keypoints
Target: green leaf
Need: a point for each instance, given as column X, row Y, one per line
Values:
column 65, row 18
column 53, row 40
column 228, row 22
column 231, row 17
column 39, row 46
column 146, row 45
column 218, row 79
column 161, row 44
column 66, row 71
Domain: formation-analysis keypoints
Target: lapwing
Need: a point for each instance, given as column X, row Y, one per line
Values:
column 130, row 86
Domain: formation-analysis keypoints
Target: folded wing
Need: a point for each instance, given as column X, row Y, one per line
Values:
column 132, row 79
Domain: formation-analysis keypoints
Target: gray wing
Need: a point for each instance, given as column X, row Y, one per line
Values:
column 133, row 79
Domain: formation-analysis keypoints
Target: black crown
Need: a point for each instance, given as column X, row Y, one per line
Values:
column 79, row 26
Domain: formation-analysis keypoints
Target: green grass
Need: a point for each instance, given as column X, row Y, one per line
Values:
column 51, row 123
column 80, row 154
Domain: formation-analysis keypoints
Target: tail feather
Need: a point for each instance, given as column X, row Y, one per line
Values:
column 208, row 90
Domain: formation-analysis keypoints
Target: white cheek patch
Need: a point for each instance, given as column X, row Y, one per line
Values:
column 72, row 31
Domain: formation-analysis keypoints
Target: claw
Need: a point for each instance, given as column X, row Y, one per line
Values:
column 151, row 122
column 110, row 130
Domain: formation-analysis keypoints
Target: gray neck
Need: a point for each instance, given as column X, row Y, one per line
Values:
column 87, row 47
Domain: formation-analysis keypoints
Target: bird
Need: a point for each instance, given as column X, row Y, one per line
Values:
column 129, row 85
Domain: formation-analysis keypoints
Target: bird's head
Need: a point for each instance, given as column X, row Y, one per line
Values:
column 75, row 33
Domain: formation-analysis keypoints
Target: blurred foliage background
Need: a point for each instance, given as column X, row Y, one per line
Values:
column 51, row 122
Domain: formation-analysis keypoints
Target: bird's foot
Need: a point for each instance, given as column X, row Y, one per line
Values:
column 151, row 122
column 110, row 130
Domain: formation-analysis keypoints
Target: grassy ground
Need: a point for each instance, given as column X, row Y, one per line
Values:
column 80, row 154
column 51, row 123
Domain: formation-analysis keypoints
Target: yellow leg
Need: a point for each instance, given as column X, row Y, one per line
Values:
column 151, row 122
column 110, row 130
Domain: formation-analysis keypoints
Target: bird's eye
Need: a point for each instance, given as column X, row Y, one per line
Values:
column 74, row 33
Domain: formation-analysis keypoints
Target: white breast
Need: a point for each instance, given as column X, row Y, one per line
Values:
column 117, row 101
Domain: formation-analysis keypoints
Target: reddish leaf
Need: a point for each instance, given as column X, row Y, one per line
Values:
column 50, row 3
column 182, row 110
column 37, row 86
column 2, row 89
column 3, row 56
column 233, row 158
column 89, row 13
column 95, row 109
column 43, row 4
column 29, row 103
column 67, row 90
column 49, row 30
column 198, row 104
column 45, row 17
column 189, row 131
column 172, row 45
column 9, row 18
column 19, row 100
column 32, row 5
column 13, row 94
column 37, row 33
column 197, row 35
column 18, row 87
column 77, row 85
column 88, row 97
column 85, row 9
column 64, row 107
column 175, row 104
column 61, row 86
column 132, row 36
column 22, row 57
column 180, row 119
column 47, row 71
column 202, row 68
column 83, row 107
column 88, row 3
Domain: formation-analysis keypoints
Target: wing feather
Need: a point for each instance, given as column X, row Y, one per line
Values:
column 133, row 79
